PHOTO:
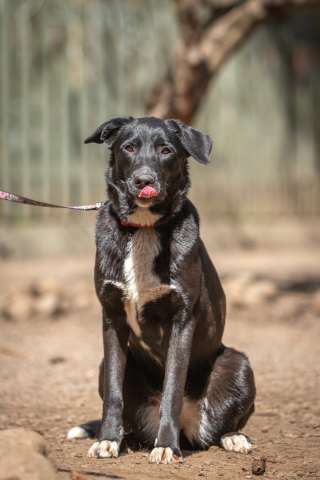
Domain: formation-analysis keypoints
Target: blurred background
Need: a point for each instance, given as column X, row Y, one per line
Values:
column 65, row 67
column 248, row 73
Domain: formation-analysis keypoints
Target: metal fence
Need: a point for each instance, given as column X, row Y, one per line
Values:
column 67, row 66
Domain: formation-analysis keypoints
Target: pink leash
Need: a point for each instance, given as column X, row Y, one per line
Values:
column 11, row 197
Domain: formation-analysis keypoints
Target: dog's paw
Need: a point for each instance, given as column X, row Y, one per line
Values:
column 236, row 443
column 76, row 433
column 104, row 449
column 164, row 455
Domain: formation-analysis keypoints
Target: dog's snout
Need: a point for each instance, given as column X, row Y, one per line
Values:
column 143, row 180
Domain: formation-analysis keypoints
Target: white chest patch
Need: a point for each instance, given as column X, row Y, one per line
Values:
column 142, row 283
column 143, row 216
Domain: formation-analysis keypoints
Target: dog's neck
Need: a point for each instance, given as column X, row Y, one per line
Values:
column 141, row 218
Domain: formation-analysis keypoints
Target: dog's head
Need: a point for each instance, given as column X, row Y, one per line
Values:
column 148, row 166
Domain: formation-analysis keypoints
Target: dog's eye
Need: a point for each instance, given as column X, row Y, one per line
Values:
column 129, row 148
column 165, row 151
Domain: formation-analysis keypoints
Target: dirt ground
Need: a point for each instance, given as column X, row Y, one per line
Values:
column 49, row 361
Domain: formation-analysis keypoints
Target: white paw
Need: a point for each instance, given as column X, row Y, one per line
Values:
column 164, row 455
column 236, row 443
column 77, row 432
column 104, row 449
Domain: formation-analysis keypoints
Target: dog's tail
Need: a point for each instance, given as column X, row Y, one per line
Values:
column 85, row 430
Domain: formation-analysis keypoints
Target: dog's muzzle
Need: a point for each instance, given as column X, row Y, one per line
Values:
column 144, row 188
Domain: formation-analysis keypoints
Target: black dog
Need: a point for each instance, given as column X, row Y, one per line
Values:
column 166, row 377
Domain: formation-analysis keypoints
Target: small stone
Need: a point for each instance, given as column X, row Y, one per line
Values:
column 260, row 292
column 42, row 287
column 258, row 466
column 49, row 305
column 56, row 360
column 16, row 307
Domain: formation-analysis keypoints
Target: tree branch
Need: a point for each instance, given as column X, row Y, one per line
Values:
column 203, row 48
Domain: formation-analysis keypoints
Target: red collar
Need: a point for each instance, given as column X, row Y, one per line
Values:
column 125, row 223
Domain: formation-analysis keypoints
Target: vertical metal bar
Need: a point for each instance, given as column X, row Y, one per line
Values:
column 25, row 99
column 5, row 176
column 101, row 84
column 102, row 88
column 45, row 101
column 65, row 134
column 83, row 103
column 121, row 54
column 111, row 25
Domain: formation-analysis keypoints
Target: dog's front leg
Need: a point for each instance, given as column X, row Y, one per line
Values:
column 115, row 338
column 167, row 445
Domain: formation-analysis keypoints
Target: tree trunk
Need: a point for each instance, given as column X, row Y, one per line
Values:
column 204, row 45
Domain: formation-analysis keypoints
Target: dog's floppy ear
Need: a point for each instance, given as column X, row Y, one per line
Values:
column 196, row 143
column 105, row 133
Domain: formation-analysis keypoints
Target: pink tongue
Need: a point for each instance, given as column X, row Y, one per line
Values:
column 148, row 192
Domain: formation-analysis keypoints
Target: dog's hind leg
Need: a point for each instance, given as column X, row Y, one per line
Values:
column 227, row 404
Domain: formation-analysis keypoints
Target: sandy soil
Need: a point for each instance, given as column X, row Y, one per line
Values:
column 48, row 372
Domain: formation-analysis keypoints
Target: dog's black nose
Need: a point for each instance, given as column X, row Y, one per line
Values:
column 143, row 180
